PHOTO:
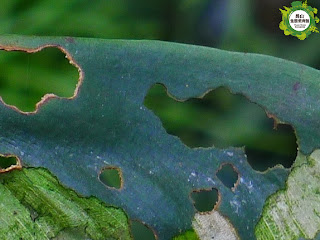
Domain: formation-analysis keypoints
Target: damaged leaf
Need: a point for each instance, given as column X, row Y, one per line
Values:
column 107, row 125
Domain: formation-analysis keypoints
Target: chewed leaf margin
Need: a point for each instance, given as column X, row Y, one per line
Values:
column 89, row 132
column 47, row 96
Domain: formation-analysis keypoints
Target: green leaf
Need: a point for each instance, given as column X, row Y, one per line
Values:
column 106, row 124
column 188, row 235
column 295, row 211
column 35, row 206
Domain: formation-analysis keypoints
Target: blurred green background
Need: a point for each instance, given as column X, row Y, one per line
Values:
column 220, row 119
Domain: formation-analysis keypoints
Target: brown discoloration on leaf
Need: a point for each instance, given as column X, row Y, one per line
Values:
column 18, row 164
column 48, row 96
column 276, row 121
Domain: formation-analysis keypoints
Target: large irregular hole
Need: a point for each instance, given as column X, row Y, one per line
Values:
column 8, row 163
column 205, row 200
column 141, row 231
column 111, row 177
column 224, row 119
column 26, row 77
column 228, row 175
column 279, row 147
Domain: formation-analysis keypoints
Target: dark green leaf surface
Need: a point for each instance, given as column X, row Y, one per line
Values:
column 108, row 125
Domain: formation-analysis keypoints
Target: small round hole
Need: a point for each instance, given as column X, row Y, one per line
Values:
column 228, row 176
column 111, row 177
column 141, row 231
column 205, row 200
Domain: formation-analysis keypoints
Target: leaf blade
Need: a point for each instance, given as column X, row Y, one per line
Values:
column 107, row 124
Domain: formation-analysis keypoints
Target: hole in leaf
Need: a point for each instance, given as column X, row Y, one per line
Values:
column 223, row 119
column 228, row 175
column 26, row 77
column 111, row 177
column 141, row 231
column 205, row 200
column 274, row 150
column 8, row 163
